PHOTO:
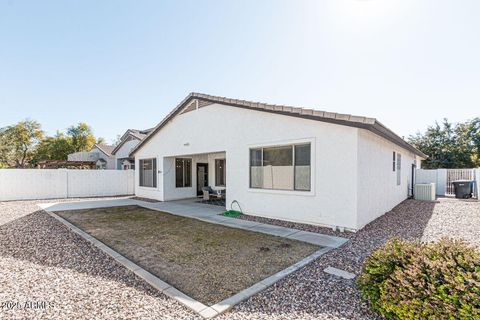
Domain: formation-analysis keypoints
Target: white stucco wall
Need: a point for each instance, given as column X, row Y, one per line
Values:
column 125, row 149
column 378, row 191
column 173, row 193
column 332, row 200
column 124, row 152
column 110, row 161
column 83, row 156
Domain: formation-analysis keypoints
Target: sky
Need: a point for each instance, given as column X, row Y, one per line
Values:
column 125, row 64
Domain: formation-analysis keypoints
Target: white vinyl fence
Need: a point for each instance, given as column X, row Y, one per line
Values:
column 26, row 184
column 443, row 178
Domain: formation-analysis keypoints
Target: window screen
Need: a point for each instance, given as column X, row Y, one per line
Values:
column 302, row 167
column 183, row 172
column 220, row 172
column 399, row 169
column 281, row 167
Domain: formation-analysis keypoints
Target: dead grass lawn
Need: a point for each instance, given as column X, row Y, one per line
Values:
column 208, row 262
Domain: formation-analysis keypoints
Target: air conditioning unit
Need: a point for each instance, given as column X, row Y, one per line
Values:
column 425, row 191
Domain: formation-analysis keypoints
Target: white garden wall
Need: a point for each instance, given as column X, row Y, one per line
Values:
column 26, row 184
column 437, row 176
column 443, row 178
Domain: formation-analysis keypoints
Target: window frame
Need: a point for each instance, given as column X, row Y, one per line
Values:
column 399, row 169
column 394, row 161
column 291, row 144
column 224, row 172
column 183, row 172
column 154, row 172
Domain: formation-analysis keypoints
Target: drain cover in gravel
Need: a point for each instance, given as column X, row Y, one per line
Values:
column 339, row 273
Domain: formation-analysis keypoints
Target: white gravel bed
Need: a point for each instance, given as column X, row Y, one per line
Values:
column 310, row 293
column 42, row 261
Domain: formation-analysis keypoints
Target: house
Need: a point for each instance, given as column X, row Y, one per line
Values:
column 101, row 154
column 128, row 141
column 281, row 162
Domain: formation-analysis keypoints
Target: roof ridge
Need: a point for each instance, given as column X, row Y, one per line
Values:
column 290, row 108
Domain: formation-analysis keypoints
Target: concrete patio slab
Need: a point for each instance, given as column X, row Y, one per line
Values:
column 187, row 301
column 209, row 213
column 318, row 239
column 239, row 297
column 153, row 280
column 339, row 273
column 218, row 219
column 130, row 265
column 237, row 223
column 91, row 204
column 274, row 230
column 209, row 313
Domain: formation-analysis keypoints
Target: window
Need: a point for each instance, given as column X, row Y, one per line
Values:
column 302, row 167
column 148, row 173
column 394, row 159
column 281, row 168
column 183, row 173
column 399, row 169
column 220, row 172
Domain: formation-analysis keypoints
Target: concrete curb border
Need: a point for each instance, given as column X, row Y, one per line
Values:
column 203, row 310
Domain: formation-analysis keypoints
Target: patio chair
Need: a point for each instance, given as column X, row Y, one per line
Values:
column 209, row 193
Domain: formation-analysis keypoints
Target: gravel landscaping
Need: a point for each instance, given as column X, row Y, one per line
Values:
column 310, row 293
column 206, row 261
column 41, row 260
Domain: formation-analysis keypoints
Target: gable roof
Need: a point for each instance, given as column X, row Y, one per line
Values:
column 105, row 148
column 134, row 133
column 370, row 124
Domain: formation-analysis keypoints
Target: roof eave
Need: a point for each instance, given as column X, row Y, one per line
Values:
column 122, row 142
column 100, row 148
column 370, row 124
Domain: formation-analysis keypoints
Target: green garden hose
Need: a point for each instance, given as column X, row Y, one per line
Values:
column 233, row 213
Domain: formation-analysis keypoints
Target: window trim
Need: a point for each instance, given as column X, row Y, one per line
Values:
column 155, row 172
column 291, row 143
column 183, row 171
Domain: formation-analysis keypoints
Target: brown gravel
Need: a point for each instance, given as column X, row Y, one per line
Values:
column 41, row 260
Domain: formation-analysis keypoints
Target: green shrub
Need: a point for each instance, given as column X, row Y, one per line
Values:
column 413, row 280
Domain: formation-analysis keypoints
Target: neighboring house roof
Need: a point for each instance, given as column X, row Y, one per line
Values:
column 105, row 148
column 134, row 133
column 370, row 124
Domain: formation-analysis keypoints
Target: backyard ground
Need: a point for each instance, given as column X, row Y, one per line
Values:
column 41, row 260
column 207, row 261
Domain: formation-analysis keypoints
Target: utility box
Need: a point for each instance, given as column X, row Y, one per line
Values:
column 424, row 191
column 463, row 189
